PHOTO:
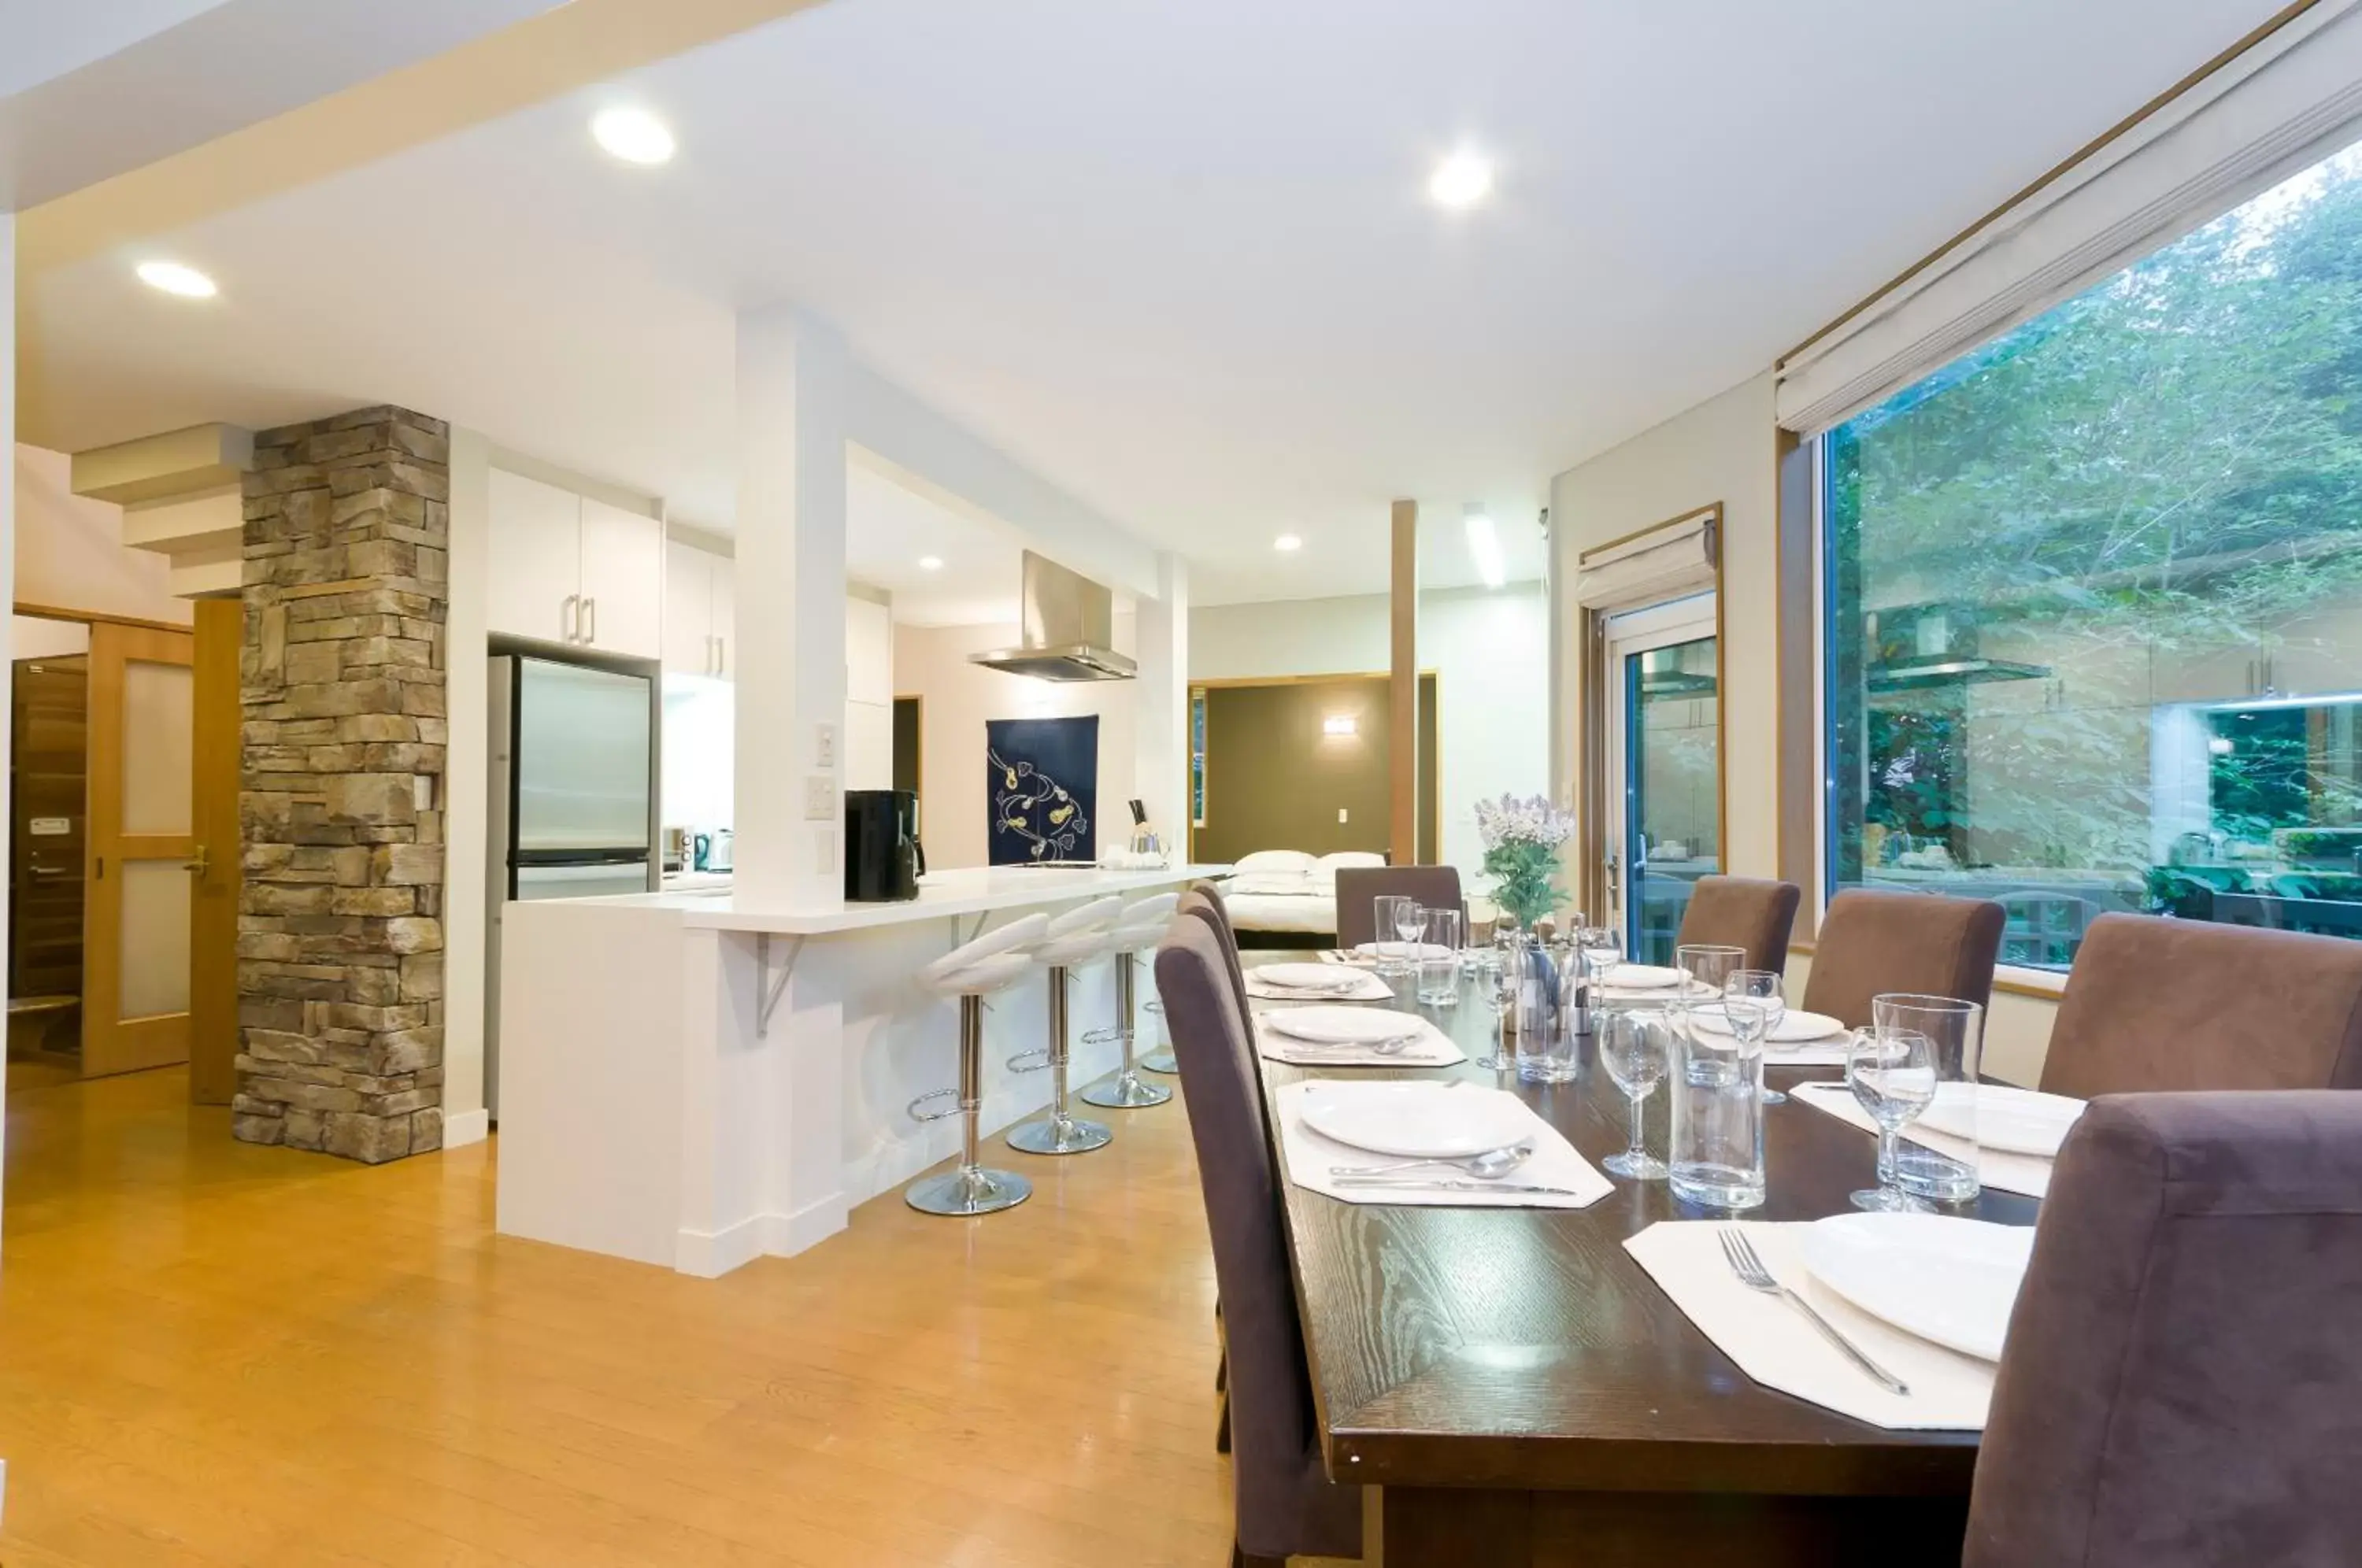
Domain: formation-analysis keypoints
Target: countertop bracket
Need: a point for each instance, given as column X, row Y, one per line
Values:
column 768, row 989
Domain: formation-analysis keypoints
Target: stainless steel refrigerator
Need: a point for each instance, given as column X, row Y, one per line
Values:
column 572, row 797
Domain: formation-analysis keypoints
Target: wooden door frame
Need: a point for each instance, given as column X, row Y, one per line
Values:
column 214, row 894
column 110, row 1043
column 1234, row 683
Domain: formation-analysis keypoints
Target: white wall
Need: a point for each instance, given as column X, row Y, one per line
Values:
column 932, row 663
column 1490, row 653
column 1725, row 450
column 70, row 551
column 466, row 785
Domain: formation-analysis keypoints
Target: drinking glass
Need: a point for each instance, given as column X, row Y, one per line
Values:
column 1705, row 969
column 1411, row 930
column 1955, row 1031
column 1603, row 949
column 1716, row 1146
column 1383, row 910
column 1502, row 983
column 1545, row 1046
column 1892, row 1075
column 1752, row 1003
column 1637, row 1049
column 1438, row 962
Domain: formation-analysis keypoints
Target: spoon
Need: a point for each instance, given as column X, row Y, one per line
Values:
column 1490, row 1165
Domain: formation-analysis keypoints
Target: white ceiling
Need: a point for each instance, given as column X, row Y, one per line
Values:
column 1178, row 258
column 892, row 529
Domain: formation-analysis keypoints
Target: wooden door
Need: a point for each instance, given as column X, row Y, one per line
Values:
column 142, row 844
column 214, row 887
column 46, row 764
column 533, row 582
column 622, row 576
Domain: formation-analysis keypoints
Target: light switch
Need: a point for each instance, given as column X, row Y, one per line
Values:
column 1340, row 813
column 824, row 745
column 820, row 798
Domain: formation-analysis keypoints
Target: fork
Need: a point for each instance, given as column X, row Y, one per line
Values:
column 1741, row 1255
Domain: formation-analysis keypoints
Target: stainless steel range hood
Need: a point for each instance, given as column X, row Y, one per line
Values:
column 1069, row 629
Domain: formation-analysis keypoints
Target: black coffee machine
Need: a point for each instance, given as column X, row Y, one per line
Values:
column 883, row 861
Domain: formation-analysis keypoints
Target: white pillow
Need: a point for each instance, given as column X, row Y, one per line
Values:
column 1275, row 860
column 1357, row 859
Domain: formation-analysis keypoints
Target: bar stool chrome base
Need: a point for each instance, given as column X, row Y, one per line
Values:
column 1162, row 1060
column 1125, row 1091
column 970, row 1189
column 1061, row 1134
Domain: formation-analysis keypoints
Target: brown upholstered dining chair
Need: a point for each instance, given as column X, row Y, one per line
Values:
column 1359, row 887
column 1872, row 941
column 1205, row 901
column 2181, row 1385
column 1285, row 1503
column 2176, row 1004
column 1742, row 912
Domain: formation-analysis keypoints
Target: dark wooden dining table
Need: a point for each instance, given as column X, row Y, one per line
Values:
column 1523, row 1392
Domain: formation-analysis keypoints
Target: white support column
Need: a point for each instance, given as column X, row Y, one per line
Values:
column 1161, row 710
column 790, row 605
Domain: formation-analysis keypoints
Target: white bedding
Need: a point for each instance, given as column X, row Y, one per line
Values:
column 1305, row 913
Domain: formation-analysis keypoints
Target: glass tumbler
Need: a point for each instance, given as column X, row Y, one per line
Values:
column 1716, row 1142
column 1956, row 1035
column 1438, row 962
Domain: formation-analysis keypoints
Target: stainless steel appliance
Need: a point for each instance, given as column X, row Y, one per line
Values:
column 1067, row 630
column 883, row 860
column 572, row 797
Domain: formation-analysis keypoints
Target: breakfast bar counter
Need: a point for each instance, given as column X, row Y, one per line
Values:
column 697, row 1079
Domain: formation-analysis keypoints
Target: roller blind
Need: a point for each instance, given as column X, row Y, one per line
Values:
column 1669, row 561
column 2278, row 107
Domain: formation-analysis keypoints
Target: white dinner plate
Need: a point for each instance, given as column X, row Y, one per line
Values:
column 1951, row 1281
column 2019, row 1121
column 1794, row 1028
column 1403, row 949
column 1418, row 1121
column 1306, row 976
column 1340, row 1025
column 1642, row 978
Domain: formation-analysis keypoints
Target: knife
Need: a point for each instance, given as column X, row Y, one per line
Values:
column 1453, row 1185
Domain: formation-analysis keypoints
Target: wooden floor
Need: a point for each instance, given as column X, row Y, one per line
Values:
column 214, row 1353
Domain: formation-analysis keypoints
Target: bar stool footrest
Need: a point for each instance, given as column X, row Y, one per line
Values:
column 949, row 1108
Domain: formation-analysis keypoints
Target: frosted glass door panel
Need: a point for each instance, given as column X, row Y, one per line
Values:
column 159, row 749
column 582, row 758
column 155, row 938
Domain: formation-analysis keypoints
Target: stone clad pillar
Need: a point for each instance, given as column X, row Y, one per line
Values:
column 340, row 924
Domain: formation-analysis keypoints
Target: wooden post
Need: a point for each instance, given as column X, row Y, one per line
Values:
column 1402, row 694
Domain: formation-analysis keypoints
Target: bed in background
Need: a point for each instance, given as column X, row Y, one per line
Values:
column 1287, row 898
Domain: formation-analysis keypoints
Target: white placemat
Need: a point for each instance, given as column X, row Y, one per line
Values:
column 1366, row 987
column 2028, row 1173
column 1433, row 1048
column 1555, row 1163
column 1777, row 1345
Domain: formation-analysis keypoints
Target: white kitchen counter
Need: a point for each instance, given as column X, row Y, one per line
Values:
column 680, row 1085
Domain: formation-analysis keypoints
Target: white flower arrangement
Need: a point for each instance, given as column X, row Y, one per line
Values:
column 1521, row 842
column 1530, row 818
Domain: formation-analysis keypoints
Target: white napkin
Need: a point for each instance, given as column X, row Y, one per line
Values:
column 1353, row 986
column 1998, row 1168
column 1433, row 1048
column 1777, row 1345
column 1307, row 1156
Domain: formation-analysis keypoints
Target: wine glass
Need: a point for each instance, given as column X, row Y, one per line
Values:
column 1410, row 928
column 1602, row 947
column 1752, row 1002
column 1892, row 1075
column 1382, row 927
column 1637, row 1050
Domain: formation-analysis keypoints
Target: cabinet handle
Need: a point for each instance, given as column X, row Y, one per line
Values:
column 591, row 618
column 720, row 654
column 708, row 654
column 569, row 614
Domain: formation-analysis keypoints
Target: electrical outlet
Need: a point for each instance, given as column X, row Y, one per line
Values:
column 820, row 799
column 1341, row 814
column 824, row 745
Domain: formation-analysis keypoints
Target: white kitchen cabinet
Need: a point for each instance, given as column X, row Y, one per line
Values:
column 622, row 567
column 697, row 611
column 565, row 569
column 536, row 559
column 724, row 615
column 869, row 745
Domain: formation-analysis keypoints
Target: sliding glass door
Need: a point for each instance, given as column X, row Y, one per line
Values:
column 1664, row 768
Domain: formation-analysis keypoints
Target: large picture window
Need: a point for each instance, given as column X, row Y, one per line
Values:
column 2095, row 596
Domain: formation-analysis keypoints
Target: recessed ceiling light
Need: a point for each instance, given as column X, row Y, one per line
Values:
column 1462, row 180
column 174, row 279
column 635, row 136
column 930, row 563
column 1287, row 544
column 1483, row 545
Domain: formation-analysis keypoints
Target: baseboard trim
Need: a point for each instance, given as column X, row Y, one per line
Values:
column 466, row 1127
column 711, row 1255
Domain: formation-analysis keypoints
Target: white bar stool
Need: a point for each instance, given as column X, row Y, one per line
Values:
column 1140, row 928
column 1075, row 937
column 993, row 962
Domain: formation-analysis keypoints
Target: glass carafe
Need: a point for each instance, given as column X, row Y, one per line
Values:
column 1717, row 1153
